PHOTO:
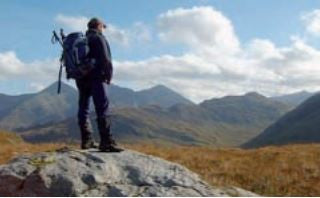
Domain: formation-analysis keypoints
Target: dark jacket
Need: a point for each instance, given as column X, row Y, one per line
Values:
column 100, row 51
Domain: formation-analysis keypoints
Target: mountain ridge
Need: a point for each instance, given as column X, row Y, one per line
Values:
column 211, row 123
column 230, row 120
column 24, row 111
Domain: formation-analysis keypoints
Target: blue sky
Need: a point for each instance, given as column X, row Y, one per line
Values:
column 27, row 27
column 29, row 23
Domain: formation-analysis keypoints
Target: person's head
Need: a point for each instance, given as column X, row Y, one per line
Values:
column 96, row 24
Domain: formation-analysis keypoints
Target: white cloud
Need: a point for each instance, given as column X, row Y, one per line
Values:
column 37, row 73
column 196, row 77
column 36, row 86
column 79, row 23
column 312, row 22
column 72, row 23
column 123, row 37
column 201, row 28
column 9, row 65
column 12, row 67
column 167, row 66
column 117, row 35
column 141, row 32
column 263, row 49
column 179, row 73
column 216, row 63
column 295, row 65
column 261, row 67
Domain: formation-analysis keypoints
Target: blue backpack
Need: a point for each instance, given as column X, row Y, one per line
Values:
column 74, row 56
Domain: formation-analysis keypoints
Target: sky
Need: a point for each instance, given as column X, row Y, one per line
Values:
column 199, row 48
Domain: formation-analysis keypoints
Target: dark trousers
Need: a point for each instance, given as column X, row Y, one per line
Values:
column 98, row 90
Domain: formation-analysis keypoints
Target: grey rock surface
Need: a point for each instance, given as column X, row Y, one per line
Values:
column 91, row 173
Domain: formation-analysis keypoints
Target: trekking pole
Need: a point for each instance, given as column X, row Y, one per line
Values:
column 62, row 35
column 55, row 38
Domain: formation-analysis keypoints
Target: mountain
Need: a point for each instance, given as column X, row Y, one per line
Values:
column 9, row 102
column 300, row 125
column 158, row 95
column 294, row 99
column 39, row 108
column 25, row 111
column 122, row 97
column 155, row 114
column 228, row 121
column 250, row 109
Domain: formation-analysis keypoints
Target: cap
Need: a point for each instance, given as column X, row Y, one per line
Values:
column 94, row 22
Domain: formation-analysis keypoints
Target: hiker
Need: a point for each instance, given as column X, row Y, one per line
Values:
column 95, row 84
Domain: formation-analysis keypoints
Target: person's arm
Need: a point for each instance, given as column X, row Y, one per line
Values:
column 105, row 57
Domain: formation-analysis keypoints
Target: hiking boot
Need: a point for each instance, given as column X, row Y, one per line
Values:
column 87, row 141
column 107, row 143
column 88, row 144
column 110, row 148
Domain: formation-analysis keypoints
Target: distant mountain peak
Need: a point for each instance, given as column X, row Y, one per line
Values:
column 160, row 95
column 53, row 88
column 254, row 94
column 158, row 88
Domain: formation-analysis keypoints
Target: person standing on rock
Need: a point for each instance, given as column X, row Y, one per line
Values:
column 95, row 84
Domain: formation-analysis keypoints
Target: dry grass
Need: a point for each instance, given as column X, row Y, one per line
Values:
column 272, row 171
column 12, row 145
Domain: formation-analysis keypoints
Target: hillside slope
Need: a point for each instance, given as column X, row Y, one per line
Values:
column 294, row 99
column 9, row 102
column 300, row 125
column 41, row 108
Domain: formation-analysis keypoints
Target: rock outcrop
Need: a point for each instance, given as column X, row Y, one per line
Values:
column 91, row 173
